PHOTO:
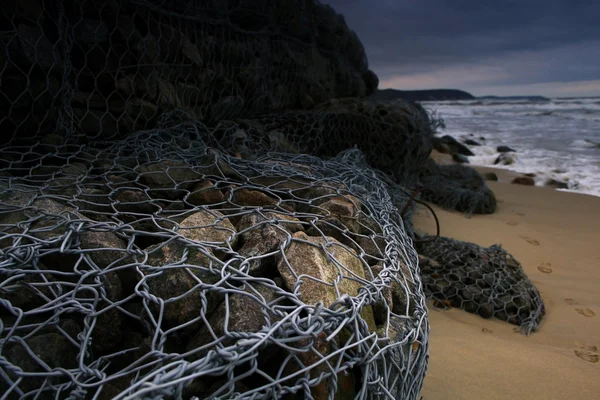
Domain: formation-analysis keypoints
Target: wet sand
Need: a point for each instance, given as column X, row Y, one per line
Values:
column 556, row 237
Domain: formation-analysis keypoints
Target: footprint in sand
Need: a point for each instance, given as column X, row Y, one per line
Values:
column 521, row 214
column 570, row 301
column 545, row 268
column 531, row 241
column 486, row 330
column 586, row 312
column 588, row 353
column 512, row 223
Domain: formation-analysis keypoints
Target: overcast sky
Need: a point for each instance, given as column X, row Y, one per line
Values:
column 498, row 47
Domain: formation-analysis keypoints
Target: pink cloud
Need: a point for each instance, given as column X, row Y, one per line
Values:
column 458, row 76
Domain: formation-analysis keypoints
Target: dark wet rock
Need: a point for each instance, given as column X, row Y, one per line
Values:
column 370, row 240
column 439, row 145
column 372, row 246
column 504, row 149
column 133, row 201
column 253, row 198
column 94, row 203
column 321, row 192
column 108, row 330
column 168, row 175
column 54, row 349
column 556, row 184
column 345, row 384
column 385, row 304
column 452, row 145
column 505, row 159
column 524, row 180
column 472, row 142
column 459, row 158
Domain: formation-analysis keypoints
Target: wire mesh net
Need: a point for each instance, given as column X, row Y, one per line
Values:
column 103, row 69
column 485, row 281
column 164, row 234
column 160, row 267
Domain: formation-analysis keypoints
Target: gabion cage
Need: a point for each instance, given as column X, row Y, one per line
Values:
column 160, row 267
column 198, row 201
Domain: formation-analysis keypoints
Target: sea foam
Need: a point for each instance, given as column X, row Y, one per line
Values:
column 555, row 140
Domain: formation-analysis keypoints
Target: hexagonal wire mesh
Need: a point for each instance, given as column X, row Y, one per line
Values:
column 161, row 267
column 158, row 265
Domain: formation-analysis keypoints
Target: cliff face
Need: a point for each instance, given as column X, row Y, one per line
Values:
column 422, row 95
column 120, row 65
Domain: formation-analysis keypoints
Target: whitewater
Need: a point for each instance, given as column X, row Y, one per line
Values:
column 555, row 139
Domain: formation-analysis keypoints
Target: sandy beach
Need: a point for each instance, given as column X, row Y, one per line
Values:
column 556, row 237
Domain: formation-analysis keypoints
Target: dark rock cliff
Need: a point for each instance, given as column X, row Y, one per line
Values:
column 119, row 65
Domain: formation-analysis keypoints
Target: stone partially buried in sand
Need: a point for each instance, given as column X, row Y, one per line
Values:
column 524, row 180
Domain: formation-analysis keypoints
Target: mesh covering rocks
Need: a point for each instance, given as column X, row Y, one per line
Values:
column 457, row 187
column 160, row 267
column 485, row 281
column 107, row 68
column 163, row 232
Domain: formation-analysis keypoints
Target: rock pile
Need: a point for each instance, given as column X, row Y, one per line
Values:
column 486, row 281
column 236, row 277
column 457, row 187
column 139, row 257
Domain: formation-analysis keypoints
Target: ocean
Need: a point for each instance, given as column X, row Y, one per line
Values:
column 554, row 139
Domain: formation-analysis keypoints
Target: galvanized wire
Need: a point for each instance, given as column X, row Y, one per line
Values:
column 164, row 234
column 76, row 240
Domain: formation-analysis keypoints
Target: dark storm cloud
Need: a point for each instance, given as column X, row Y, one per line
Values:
column 561, row 39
